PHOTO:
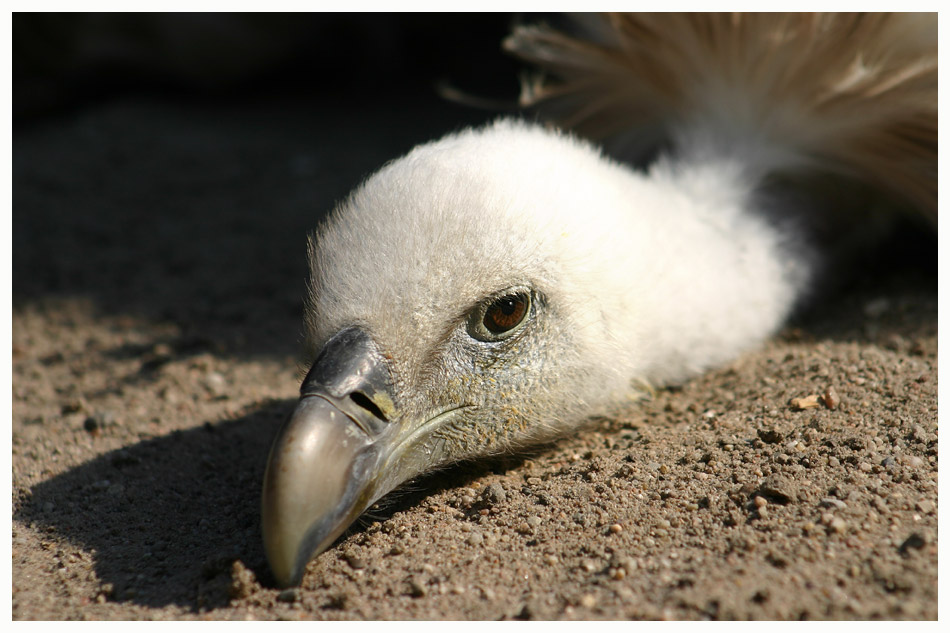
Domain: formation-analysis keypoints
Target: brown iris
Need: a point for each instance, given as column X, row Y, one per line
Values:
column 505, row 313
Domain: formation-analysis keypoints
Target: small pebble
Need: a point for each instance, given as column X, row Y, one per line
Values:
column 831, row 502
column 216, row 384
column 914, row 461
column 807, row 402
column 416, row 588
column 914, row 541
column 494, row 494
column 830, row 398
column 287, row 595
column 616, row 528
column 925, row 505
column 74, row 406
column 588, row 601
column 91, row 425
column 354, row 561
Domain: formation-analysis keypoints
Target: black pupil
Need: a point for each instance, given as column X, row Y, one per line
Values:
column 505, row 313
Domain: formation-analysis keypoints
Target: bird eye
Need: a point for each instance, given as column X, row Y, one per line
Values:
column 500, row 318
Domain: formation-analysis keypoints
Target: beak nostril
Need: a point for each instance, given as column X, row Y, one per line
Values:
column 364, row 401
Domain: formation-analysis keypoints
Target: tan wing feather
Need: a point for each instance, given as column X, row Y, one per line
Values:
column 854, row 93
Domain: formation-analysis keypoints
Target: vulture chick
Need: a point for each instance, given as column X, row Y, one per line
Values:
column 497, row 287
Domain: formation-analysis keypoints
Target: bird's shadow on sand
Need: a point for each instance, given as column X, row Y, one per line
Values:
column 166, row 518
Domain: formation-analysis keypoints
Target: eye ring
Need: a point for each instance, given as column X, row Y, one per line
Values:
column 500, row 317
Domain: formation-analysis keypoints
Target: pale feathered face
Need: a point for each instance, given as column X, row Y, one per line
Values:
column 478, row 301
column 420, row 257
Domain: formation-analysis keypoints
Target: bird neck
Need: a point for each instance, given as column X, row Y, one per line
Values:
column 724, row 272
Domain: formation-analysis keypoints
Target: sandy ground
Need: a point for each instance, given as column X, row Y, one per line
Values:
column 158, row 274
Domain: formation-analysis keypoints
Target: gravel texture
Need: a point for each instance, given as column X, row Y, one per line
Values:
column 158, row 271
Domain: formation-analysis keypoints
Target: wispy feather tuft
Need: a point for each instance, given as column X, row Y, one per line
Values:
column 853, row 94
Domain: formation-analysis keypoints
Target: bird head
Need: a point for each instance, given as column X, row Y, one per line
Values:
column 460, row 305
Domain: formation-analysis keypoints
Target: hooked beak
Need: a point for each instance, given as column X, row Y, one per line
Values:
column 324, row 465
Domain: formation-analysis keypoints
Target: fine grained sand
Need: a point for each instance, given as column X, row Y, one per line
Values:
column 158, row 270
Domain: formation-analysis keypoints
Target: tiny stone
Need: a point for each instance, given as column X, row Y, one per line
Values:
column 73, row 406
column 616, row 528
column 416, row 588
column 831, row 502
column 915, row 541
column 475, row 539
column 807, row 402
column 354, row 561
column 779, row 489
column 287, row 595
column 760, row 502
column 617, row 573
column 494, row 494
column 216, row 384
column 925, row 505
column 838, row 525
column 914, row 461
column 830, row 398
column 589, row 601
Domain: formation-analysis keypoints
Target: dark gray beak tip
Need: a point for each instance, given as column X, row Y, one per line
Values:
column 322, row 469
